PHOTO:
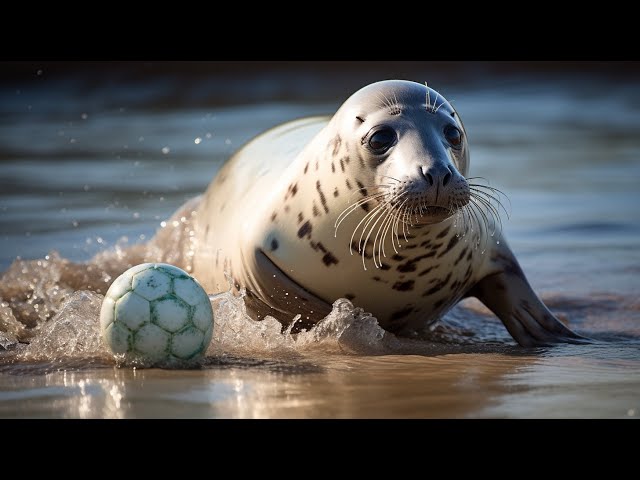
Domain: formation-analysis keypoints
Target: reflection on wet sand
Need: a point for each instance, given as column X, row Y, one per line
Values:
column 539, row 384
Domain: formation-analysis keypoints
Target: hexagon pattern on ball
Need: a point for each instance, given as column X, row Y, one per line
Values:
column 118, row 337
column 156, row 314
column 172, row 314
column 132, row 311
column 152, row 340
column 201, row 315
column 151, row 284
column 187, row 341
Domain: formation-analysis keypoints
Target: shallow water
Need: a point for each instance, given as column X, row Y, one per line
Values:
column 86, row 161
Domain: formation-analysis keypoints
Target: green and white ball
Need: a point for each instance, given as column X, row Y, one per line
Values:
column 156, row 314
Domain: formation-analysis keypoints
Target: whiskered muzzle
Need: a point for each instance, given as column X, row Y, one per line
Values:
column 394, row 207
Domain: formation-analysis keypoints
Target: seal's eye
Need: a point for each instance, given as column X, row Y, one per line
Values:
column 382, row 140
column 453, row 136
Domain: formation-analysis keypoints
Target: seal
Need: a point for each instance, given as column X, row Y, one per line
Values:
column 374, row 205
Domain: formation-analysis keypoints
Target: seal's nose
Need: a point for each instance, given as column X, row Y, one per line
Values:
column 436, row 174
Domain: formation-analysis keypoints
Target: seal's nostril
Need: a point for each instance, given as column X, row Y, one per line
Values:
column 426, row 175
column 446, row 179
column 429, row 179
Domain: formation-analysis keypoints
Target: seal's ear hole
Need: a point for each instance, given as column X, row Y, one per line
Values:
column 360, row 118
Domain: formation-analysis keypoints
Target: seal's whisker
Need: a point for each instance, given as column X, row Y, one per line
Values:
column 482, row 235
column 366, row 188
column 406, row 222
column 435, row 103
column 376, row 209
column 373, row 226
column 469, row 220
column 351, row 208
column 441, row 104
column 488, row 187
column 486, row 200
column 363, row 246
column 386, row 102
column 485, row 218
column 472, row 218
column 399, row 219
column 382, row 230
column 392, row 178
column 490, row 197
column 490, row 194
column 490, row 221
column 388, row 224
column 429, row 108
column 366, row 220
column 384, row 218
column 460, row 223
column 475, row 237
column 465, row 219
column 490, row 208
column 486, row 210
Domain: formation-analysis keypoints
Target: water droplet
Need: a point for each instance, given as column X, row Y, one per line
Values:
column 498, row 242
column 166, row 150
column 208, row 135
column 86, row 188
column 75, row 223
column 197, row 140
column 39, row 72
column 163, row 224
column 72, row 140
column 84, row 116
column 631, row 412
column 141, row 139
column 136, row 215
column 227, row 141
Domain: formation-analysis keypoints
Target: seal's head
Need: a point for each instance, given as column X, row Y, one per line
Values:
column 411, row 146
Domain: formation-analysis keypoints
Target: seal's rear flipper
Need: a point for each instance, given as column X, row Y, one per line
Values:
column 509, row 295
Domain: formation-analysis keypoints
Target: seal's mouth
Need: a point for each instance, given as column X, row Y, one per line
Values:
column 429, row 214
column 434, row 211
column 420, row 212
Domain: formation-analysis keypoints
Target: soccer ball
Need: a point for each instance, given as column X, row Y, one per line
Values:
column 156, row 313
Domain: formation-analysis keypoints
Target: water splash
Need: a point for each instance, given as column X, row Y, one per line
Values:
column 49, row 312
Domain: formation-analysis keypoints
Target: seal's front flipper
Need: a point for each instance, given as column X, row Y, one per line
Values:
column 509, row 295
